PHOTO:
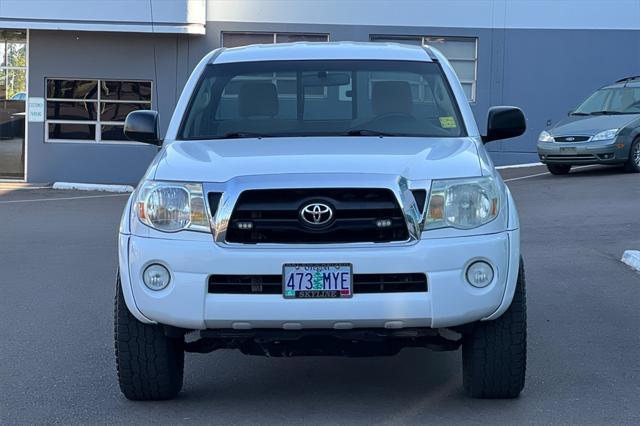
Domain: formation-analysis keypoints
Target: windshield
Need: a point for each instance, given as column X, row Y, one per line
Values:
column 322, row 98
column 612, row 100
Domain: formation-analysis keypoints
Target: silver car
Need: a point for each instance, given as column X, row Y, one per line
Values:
column 604, row 129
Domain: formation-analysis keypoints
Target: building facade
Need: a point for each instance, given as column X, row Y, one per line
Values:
column 71, row 70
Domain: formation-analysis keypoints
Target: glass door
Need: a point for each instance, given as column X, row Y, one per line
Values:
column 13, row 99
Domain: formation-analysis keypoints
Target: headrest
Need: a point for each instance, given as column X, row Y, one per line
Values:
column 391, row 97
column 258, row 99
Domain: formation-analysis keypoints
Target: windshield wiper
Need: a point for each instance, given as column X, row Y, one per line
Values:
column 240, row 135
column 368, row 132
column 606, row 113
column 579, row 113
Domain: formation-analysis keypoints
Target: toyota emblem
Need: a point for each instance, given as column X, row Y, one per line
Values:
column 316, row 214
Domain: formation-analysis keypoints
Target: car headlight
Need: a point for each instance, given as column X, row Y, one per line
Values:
column 172, row 206
column 545, row 137
column 605, row 135
column 462, row 203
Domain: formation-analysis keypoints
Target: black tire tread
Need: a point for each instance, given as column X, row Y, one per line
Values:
column 150, row 365
column 494, row 355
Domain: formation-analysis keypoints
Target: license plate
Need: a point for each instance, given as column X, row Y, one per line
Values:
column 323, row 280
column 567, row 151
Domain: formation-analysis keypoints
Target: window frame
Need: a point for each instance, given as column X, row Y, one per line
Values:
column 98, row 101
column 273, row 33
column 423, row 42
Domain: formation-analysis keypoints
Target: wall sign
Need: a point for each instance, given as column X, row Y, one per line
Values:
column 35, row 110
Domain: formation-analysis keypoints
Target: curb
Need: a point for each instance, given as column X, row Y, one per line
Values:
column 518, row 166
column 92, row 187
column 632, row 258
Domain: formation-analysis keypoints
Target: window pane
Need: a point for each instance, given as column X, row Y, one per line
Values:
column 331, row 106
column 468, row 90
column 287, row 87
column 16, row 83
column 113, row 133
column 71, row 110
column 290, row 38
column 72, row 89
column 465, row 70
column 453, row 49
column 118, row 111
column 16, row 54
column 401, row 97
column 17, row 45
column 72, row 131
column 126, row 90
column 244, row 39
column 3, row 84
column 417, row 41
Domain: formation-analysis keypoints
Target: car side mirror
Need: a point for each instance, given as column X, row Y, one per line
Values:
column 504, row 122
column 142, row 126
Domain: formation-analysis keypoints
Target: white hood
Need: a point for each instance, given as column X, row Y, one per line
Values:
column 412, row 158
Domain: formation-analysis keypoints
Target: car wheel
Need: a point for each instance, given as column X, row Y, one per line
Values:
column 150, row 365
column 559, row 169
column 494, row 354
column 633, row 163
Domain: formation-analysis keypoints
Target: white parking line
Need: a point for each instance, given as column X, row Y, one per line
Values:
column 547, row 173
column 63, row 198
column 21, row 188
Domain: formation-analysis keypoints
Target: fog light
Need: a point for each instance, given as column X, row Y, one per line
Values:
column 156, row 277
column 479, row 274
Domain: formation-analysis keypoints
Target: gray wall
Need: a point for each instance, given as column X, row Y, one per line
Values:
column 68, row 54
column 546, row 72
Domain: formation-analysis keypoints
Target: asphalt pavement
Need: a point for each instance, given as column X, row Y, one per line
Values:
column 57, row 271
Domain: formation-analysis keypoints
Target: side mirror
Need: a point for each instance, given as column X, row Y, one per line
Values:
column 142, row 126
column 504, row 122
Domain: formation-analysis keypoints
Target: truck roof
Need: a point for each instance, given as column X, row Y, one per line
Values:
column 322, row 51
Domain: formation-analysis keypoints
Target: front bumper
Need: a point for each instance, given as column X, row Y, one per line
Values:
column 449, row 301
column 601, row 152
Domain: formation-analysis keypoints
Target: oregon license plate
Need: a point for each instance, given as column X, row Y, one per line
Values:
column 322, row 280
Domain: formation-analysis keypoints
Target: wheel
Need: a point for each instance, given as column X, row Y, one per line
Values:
column 559, row 169
column 494, row 354
column 633, row 163
column 150, row 365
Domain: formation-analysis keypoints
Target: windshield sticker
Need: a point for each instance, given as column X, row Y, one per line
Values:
column 448, row 123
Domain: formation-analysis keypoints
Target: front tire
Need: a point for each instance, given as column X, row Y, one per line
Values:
column 150, row 365
column 633, row 163
column 494, row 354
column 559, row 169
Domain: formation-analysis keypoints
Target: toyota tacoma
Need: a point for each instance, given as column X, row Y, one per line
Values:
column 321, row 199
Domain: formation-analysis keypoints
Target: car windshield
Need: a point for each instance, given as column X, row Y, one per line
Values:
column 612, row 100
column 322, row 98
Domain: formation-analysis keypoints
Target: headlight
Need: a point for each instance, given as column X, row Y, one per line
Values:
column 462, row 203
column 545, row 137
column 607, row 134
column 172, row 206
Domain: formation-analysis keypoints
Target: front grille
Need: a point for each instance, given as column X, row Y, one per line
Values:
column 273, row 216
column 573, row 157
column 571, row 138
column 362, row 283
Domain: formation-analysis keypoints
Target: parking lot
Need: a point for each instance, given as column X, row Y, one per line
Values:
column 58, row 264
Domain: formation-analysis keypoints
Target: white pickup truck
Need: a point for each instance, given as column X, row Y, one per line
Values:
column 321, row 199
